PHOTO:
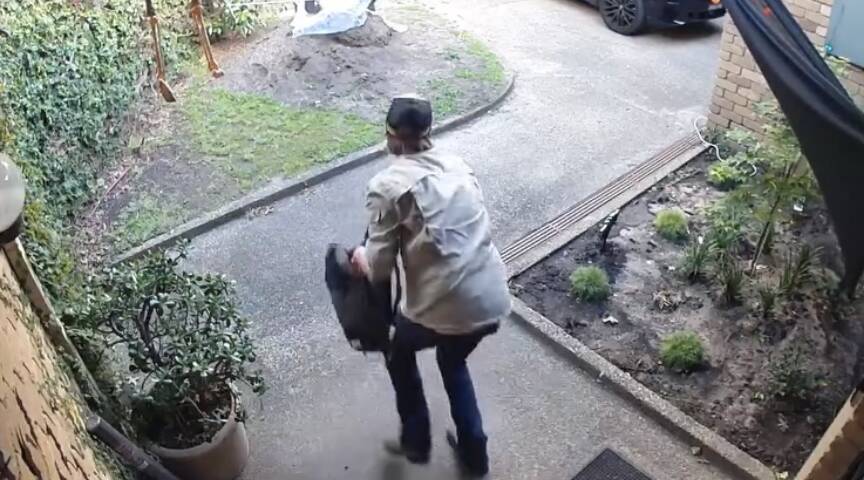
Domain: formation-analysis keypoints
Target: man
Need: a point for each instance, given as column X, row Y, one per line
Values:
column 428, row 221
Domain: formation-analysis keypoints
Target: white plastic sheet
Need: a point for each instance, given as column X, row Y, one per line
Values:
column 335, row 16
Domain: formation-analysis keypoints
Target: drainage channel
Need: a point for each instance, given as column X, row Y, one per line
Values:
column 585, row 207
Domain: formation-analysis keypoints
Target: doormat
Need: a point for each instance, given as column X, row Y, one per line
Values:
column 610, row 466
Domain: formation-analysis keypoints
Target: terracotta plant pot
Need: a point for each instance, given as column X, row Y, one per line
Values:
column 223, row 458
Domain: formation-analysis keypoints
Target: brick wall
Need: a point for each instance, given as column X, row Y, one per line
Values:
column 42, row 432
column 840, row 446
column 740, row 85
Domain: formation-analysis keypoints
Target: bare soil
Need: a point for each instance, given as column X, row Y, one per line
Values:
column 361, row 70
column 731, row 395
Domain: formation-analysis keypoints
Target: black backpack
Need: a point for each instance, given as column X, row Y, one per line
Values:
column 366, row 311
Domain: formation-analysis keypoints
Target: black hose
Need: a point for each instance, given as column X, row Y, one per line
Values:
column 128, row 451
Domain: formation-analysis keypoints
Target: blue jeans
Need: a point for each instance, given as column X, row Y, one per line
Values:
column 451, row 352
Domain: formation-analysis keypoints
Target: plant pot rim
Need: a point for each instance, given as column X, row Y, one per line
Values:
column 200, row 449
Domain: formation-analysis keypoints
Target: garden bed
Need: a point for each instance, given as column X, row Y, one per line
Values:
column 284, row 106
column 773, row 374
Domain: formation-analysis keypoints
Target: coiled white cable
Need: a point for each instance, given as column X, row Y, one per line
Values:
column 705, row 142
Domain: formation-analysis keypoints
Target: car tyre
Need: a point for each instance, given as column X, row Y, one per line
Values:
column 627, row 17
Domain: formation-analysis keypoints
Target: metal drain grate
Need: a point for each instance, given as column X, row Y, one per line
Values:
column 610, row 466
column 584, row 208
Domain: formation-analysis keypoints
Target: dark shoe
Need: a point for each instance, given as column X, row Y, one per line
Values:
column 474, row 467
column 395, row 447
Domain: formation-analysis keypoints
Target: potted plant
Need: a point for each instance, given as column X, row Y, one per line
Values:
column 188, row 352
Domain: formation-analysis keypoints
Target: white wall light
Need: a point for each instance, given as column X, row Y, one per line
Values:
column 11, row 200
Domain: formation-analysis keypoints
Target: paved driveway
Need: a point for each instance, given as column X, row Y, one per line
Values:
column 589, row 104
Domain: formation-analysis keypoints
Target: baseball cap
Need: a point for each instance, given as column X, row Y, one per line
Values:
column 409, row 116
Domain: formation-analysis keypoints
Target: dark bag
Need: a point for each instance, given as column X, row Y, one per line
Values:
column 366, row 311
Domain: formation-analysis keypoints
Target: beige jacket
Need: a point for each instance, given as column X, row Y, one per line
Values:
column 430, row 206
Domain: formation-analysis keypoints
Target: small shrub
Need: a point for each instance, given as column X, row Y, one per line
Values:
column 682, row 351
column 590, row 284
column 790, row 377
column 730, row 275
column 671, row 224
column 697, row 256
column 798, row 270
column 767, row 300
column 725, row 175
column 187, row 345
column 728, row 220
column 738, row 140
column 243, row 20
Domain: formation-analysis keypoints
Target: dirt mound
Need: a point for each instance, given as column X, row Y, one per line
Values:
column 374, row 33
column 358, row 70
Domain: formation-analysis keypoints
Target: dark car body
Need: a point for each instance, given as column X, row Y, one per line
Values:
column 661, row 13
column 669, row 12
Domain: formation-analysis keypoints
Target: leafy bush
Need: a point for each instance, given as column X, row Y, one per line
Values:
column 697, row 256
column 790, row 377
column 242, row 20
column 68, row 74
column 725, row 175
column 220, row 20
column 671, row 224
column 187, row 345
column 69, row 71
column 727, row 223
column 590, row 284
column 730, row 276
column 682, row 351
column 798, row 270
column 781, row 177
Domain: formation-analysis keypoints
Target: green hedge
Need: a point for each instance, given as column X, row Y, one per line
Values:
column 68, row 74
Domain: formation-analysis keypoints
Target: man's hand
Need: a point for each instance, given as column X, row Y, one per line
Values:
column 360, row 262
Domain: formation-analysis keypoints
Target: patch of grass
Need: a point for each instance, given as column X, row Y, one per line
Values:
column 767, row 300
column 697, row 256
column 255, row 139
column 590, row 284
column 682, row 351
column 143, row 219
column 798, row 270
column 492, row 71
column 445, row 97
column 452, row 54
column 671, row 224
column 730, row 276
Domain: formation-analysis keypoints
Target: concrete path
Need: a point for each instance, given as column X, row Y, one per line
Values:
column 589, row 104
column 329, row 408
